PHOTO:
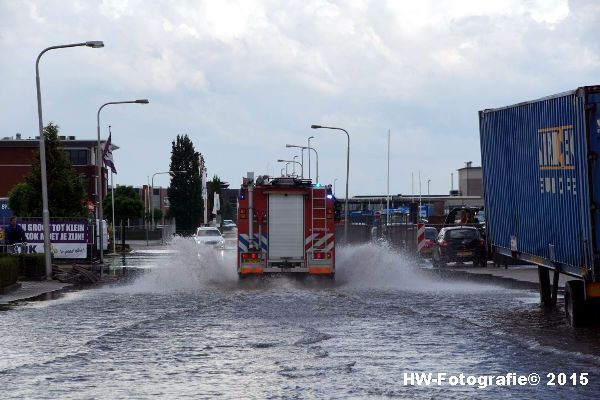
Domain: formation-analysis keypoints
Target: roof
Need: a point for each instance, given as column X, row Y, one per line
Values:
column 63, row 143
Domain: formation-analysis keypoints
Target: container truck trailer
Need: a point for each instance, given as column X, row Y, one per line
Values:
column 541, row 178
column 285, row 225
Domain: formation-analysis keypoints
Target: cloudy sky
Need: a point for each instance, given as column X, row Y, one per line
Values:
column 243, row 78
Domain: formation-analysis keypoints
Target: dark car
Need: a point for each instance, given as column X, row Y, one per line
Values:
column 459, row 244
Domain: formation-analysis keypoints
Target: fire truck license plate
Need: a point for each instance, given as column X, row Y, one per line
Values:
column 465, row 253
column 252, row 261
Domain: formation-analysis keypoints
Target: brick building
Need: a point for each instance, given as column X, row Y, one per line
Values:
column 17, row 155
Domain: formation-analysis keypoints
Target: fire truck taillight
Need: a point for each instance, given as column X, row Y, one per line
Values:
column 250, row 256
column 329, row 213
column 318, row 255
column 243, row 213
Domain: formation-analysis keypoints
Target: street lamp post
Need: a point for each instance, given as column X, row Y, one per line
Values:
column 309, row 149
column 45, row 213
column 99, row 175
column 152, row 191
column 301, row 154
column 346, row 211
column 287, row 162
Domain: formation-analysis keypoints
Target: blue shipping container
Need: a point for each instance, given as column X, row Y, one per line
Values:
column 541, row 178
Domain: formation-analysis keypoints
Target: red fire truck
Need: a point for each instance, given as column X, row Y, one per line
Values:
column 285, row 225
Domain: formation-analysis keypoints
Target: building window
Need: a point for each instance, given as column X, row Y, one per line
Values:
column 78, row 156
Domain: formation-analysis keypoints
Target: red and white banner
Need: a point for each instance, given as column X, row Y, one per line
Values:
column 420, row 237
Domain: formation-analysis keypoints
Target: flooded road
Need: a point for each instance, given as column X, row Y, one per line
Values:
column 186, row 328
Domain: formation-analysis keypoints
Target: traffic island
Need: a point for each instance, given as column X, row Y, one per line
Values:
column 517, row 276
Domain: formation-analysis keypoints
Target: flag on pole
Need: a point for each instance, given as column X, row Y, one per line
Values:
column 107, row 155
column 216, row 203
column 204, row 189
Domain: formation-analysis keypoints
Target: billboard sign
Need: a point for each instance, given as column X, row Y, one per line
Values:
column 68, row 237
column 5, row 212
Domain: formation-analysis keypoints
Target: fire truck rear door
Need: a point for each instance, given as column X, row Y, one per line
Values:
column 286, row 227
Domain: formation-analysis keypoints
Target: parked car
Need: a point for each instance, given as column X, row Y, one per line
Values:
column 209, row 235
column 430, row 236
column 229, row 227
column 229, row 223
column 459, row 244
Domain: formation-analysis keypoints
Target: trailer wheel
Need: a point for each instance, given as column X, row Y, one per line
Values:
column 575, row 305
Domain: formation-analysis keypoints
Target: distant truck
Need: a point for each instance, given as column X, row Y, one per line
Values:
column 285, row 225
column 541, row 178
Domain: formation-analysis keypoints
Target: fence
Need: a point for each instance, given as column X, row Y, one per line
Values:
column 162, row 233
column 401, row 236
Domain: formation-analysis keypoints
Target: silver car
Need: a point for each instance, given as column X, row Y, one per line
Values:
column 209, row 236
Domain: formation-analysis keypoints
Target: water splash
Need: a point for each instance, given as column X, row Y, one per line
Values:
column 185, row 266
column 377, row 265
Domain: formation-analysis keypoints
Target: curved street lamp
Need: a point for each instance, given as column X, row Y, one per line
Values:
column 309, row 149
column 301, row 157
column 346, row 213
column 287, row 162
column 95, row 44
column 99, row 175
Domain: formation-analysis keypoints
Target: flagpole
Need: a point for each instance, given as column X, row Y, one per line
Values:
column 388, row 179
column 205, row 197
column 112, row 195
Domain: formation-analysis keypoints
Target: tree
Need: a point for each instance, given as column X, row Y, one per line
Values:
column 227, row 211
column 216, row 185
column 185, row 191
column 158, row 214
column 127, row 204
column 66, row 194
column 22, row 199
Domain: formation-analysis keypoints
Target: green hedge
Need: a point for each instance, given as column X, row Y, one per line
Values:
column 32, row 266
column 9, row 270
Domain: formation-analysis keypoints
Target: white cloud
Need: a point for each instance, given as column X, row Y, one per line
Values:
column 243, row 77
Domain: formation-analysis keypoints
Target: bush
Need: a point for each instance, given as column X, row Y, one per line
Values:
column 9, row 271
column 33, row 266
